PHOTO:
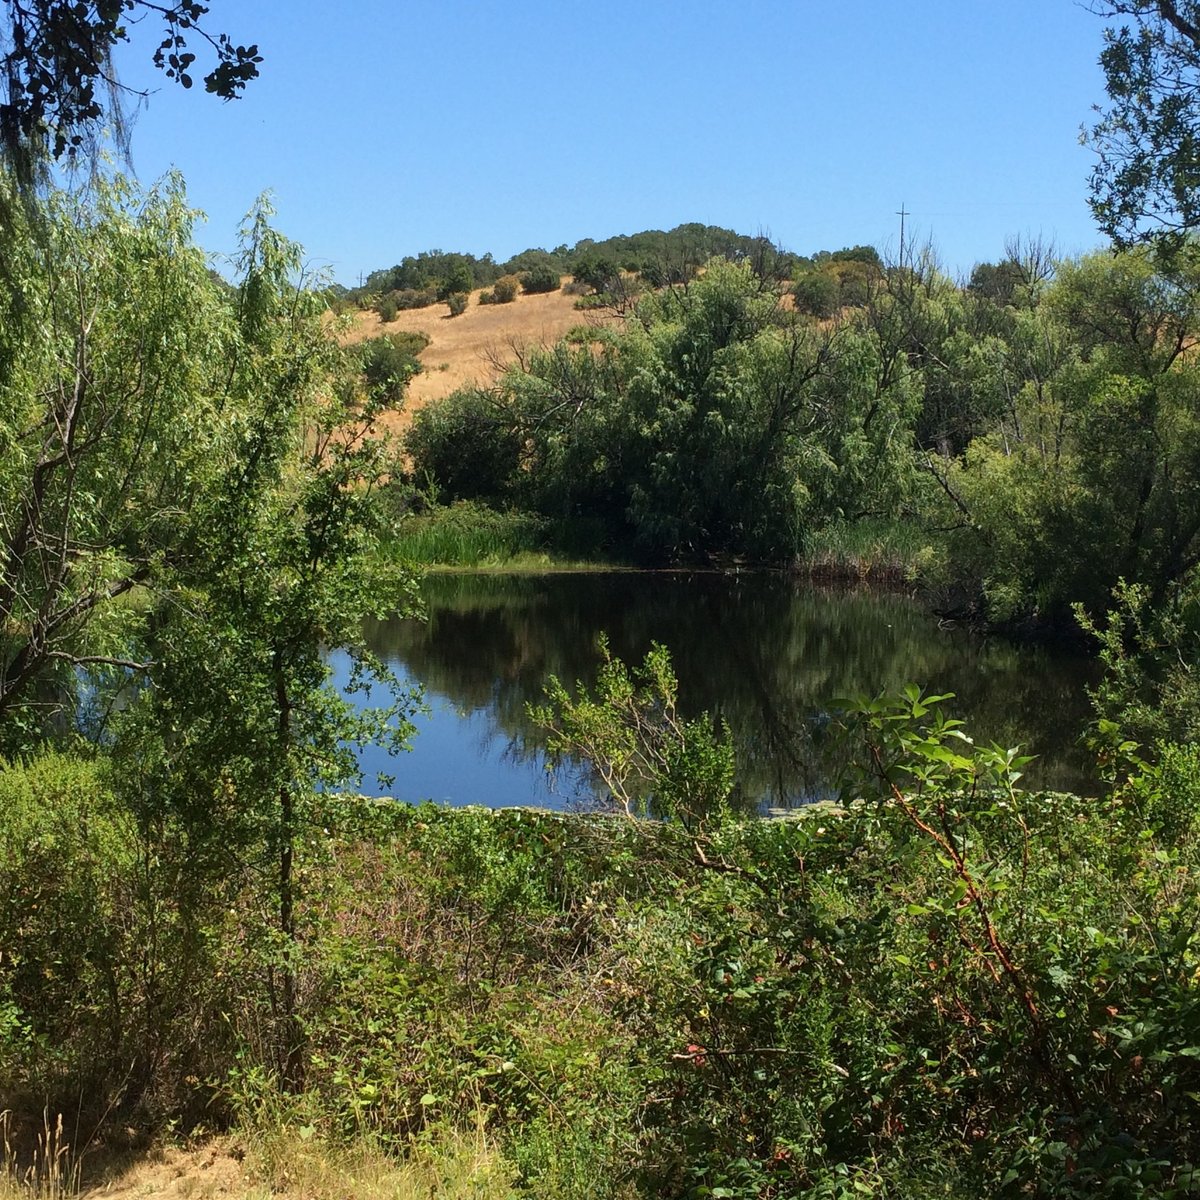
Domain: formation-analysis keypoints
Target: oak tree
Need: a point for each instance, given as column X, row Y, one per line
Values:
column 1146, row 183
column 59, row 82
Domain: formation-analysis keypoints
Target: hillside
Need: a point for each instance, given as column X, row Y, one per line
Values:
column 473, row 347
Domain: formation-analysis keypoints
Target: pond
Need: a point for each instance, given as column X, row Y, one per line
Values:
column 766, row 652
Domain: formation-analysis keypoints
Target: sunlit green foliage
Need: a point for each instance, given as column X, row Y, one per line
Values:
column 387, row 363
column 188, row 515
column 946, row 987
column 1084, row 476
column 715, row 423
column 650, row 758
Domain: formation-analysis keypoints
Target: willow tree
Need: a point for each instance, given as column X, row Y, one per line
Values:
column 189, row 474
column 114, row 411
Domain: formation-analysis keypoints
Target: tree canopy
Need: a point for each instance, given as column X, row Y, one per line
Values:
column 58, row 75
column 1145, row 184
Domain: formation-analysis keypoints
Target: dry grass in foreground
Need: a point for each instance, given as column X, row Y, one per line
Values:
column 262, row 1166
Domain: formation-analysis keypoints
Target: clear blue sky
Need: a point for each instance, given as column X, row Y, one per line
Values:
column 386, row 128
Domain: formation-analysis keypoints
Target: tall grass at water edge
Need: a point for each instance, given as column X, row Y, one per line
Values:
column 876, row 550
column 468, row 535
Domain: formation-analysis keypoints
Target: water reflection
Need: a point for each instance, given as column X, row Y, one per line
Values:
column 765, row 652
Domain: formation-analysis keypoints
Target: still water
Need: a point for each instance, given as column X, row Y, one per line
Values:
column 767, row 653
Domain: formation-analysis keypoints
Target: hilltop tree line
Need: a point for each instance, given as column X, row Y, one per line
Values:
column 614, row 267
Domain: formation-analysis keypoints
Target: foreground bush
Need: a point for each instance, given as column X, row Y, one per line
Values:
column 948, row 987
column 119, row 970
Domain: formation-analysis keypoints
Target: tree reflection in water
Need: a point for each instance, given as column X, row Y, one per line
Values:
column 766, row 652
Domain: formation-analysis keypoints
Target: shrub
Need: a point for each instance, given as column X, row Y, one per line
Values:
column 66, row 880
column 540, row 278
column 390, row 361
column 457, row 302
column 389, row 304
column 505, row 289
column 817, row 294
column 631, row 735
column 466, row 445
column 415, row 297
column 487, row 298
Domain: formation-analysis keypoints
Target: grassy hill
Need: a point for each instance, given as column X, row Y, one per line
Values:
column 473, row 348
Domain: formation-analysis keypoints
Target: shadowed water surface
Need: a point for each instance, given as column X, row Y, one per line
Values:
column 767, row 653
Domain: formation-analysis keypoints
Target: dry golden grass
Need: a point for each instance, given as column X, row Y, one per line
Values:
column 468, row 349
column 464, row 1166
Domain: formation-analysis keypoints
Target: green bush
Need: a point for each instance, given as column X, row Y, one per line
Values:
column 505, row 289
column 633, row 738
column 817, row 294
column 126, row 967
column 487, row 297
column 390, row 303
column 950, row 988
column 407, row 298
column 466, row 445
column 457, row 302
column 540, row 278
column 67, row 925
column 389, row 362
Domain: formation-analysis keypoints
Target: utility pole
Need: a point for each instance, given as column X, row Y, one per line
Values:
column 902, row 214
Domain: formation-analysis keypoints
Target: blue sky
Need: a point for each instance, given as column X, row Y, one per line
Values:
column 386, row 128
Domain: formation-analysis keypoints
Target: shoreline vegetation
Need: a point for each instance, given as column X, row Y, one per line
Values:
column 470, row 536
column 951, row 987
column 523, row 1003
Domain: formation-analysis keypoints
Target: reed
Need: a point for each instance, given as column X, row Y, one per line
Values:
column 470, row 535
column 877, row 550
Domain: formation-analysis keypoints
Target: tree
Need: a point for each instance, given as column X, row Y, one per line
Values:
column 458, row 279
column 997, row 282
column 1085, row 473
column 240, row 728
column 714, row 423
column 58, row 72
column 597, row 272
column 1145, row 185
column 188, row 489
column 142, row 406
column 115, row 402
